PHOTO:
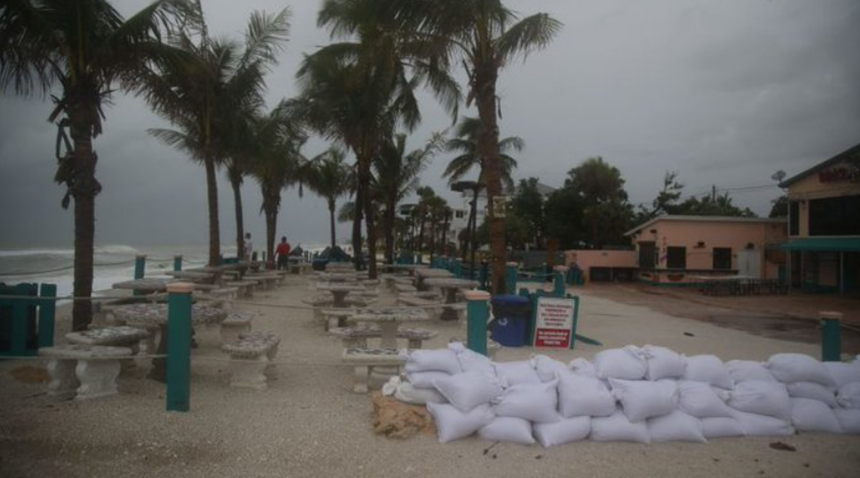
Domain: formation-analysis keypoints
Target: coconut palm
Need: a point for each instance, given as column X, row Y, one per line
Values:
column 88, row 49
column 210, row 96
column 329, row 176
column 465, row 143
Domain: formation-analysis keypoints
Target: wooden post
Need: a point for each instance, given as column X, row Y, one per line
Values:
column 47, row 309
column 511, row 278
column 139, row 270
column 477, row 314
column 558, row 281
column 179, row 346
column 177, row 263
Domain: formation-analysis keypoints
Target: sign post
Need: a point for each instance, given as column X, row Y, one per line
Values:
column 555, row 322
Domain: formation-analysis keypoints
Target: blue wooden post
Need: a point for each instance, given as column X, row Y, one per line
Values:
column 558, row 289
column 18, row 347
column 47, row 308
column 831, row 339
column 139, row 270
column 177, row 263
column 458, row 269
column 179, row 346
column 477, row 315
column 511, row 278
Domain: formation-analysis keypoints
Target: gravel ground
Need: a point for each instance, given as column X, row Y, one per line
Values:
column 309, row 423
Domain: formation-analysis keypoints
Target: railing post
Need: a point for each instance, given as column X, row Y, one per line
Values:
column 511, row 278
column 179, row 346
column 831, row 338
column 558, row 289
column 47, row 308
column 177, row 263
column 139, row 270
column 477, row 314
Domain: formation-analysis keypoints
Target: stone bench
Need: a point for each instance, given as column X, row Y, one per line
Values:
column 366, row 360
column 235, row 325
column 401, row 288
column 426, row 295
column 251, row 357
column 356, row 336
column 335, row 318
column 115, row 336
column 83, row 371
column 246, row 287
column 415, row 301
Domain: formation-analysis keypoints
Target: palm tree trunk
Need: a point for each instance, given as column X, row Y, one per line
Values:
column 356, row 224
column 331, row 209
column 236, row 182
column 271, row 226
column 420, row 246
column 364, row 183
column 388, row 225
column 432, row 245
column 84, row 193
column 214, row 228
column 444, row 245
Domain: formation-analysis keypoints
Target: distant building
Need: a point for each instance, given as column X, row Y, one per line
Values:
column 824, row 225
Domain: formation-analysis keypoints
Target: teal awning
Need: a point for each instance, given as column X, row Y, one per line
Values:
column 822, row 244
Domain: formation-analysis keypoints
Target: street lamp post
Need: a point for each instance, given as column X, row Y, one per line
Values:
column 472, row 226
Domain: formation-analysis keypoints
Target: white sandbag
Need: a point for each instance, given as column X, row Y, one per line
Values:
column 407, row 393
column 812, row 390
column 641, row 400
column 708, row 368
column 440, row 360
column 425, row 379
column 848, row 395
column 700, row 400
column 849, row 420
column 452, row 424
column 676, row 426
column 508, row 430
column 617, row 427
column 466, row 391
column 743, row 370
column 534, row 402
column 762, row 425
column 663, row 363
column 721, row 427
column 809, row 415
column 580, row 395
column 625, row 363
column 789, row 368
column 519, row 372
column 844, row 373
column 548, row 368
column 471, row 361
column 565, row 430
column 580, row 366
column 762, row 398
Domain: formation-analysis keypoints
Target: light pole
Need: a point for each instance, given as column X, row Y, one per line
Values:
column 472, row 226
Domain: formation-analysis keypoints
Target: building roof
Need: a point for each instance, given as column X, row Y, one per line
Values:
column 684, row 218
column 850, row 153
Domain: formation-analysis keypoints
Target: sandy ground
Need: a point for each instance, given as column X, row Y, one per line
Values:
column 309, row 423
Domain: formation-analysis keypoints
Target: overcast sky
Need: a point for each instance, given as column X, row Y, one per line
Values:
column 723, row 91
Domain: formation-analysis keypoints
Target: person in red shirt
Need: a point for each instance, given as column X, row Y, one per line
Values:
column 283, row 252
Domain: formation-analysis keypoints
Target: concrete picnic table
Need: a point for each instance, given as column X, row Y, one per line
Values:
column 389, row 319
column 338, row 276
column 154, row 317
column 340, row 290
column 410, row 268
column 422, row 274
column 450, row 285
column 145, row 286
column 192, row 275
column 264, row 278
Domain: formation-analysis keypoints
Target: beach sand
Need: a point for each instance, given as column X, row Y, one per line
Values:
column 309, row 423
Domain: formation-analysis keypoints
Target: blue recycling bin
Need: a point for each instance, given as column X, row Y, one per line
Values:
column 512, row 318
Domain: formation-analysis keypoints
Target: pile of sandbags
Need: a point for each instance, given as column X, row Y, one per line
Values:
column 639, row 394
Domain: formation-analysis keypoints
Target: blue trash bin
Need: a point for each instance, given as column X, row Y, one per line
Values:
column 512, row 317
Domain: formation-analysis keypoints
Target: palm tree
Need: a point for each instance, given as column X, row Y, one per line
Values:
column 330, row 177
column 87, row 48
column 465, row 142
column 207, row 97
column 396, row 176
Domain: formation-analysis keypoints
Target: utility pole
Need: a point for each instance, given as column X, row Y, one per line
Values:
column 714, row 193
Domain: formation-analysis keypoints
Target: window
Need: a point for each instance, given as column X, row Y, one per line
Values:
column 646, row 255
column 460, row 214
column 676, row 258
column 794, row 218
column 838, row 216
column 722, row 258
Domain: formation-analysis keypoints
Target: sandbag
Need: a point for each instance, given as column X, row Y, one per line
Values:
column 844, row 373
column 701, row 401
column 663, row 363
column 535, row 403
column 743, row 370
column 548, row 368
column 440, row 360
column 617, row 427
column 848, row 395
column 466, row 391
column 508, row 430
column 580, row 366
column 721, row 427
column 470, row 361
column 641, row 400
column 452, row 424
column 762, row 425
column 790, row 368
column 762, row 398
column 709, row 369
column 809, row 415
column 565, row 430
column 849, row 419
column 625, row 363
column 425, row 379
column 580, row 395
column 812, row 390
column 519, row 372
column 676, row 426
column 407, row 393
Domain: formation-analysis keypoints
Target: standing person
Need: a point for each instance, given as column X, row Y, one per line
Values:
column 283, row 252
column 248, row 246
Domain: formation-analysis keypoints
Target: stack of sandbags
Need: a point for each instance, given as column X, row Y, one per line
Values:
column 847, row 379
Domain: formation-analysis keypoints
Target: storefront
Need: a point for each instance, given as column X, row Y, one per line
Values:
column 824, row 226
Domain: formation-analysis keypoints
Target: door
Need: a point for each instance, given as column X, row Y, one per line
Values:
column 749, row 263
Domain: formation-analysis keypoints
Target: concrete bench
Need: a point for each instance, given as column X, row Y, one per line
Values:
column 426, row 295
column 415, row 301
column 235, row 325
column 114, row 336
column 366, row 360
column 334, row 318
column 251, row 357
column 401, row 288
column 245, row 287
column 356, row 336
column 83, row 371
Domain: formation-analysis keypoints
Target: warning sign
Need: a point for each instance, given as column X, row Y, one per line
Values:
column 554, row 322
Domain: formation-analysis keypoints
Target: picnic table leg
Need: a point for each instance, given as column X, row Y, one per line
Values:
column 339, row 298
column 449, row 313
column 159, row 365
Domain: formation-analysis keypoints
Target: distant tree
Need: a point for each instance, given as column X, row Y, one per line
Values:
column 529, row 206
column 779, row 207
column 706, row 206
column 329, row 176
column 564, row 217
column 606, row 212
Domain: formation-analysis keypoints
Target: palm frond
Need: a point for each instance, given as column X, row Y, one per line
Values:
column 529, row 34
